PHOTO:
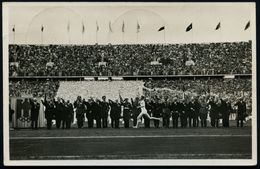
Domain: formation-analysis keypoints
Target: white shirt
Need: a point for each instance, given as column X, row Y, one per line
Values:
column 142, row 104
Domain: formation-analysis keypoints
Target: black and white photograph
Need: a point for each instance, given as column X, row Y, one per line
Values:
column 129, row 83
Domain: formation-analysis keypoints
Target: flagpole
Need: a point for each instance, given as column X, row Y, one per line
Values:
column 82, row 38
column 68, row 28
column 220, row 38
column 164, row 35
column 123, row 37
column 96, row 36
column 69, row 36
column 136, row 37
column 14, row 34
column 192, row 36
column 108, row 37
column 41, row 37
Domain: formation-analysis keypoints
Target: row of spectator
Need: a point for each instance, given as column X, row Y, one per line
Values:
column 231, row 88
column 113, row 60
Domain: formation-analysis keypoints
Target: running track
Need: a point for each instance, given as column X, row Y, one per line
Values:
column 199, row 143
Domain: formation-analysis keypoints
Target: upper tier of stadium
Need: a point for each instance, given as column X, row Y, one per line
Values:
column 133, row 60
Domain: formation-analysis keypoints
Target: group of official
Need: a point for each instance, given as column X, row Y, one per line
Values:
column 190, row 113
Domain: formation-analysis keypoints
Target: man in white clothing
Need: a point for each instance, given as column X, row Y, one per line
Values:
column 143, row 112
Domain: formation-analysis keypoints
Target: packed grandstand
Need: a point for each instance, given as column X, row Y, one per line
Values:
column 123, row 60
column 185, row 71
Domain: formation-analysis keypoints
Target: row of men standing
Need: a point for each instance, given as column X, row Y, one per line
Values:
column 188, row 113
column 59, row 110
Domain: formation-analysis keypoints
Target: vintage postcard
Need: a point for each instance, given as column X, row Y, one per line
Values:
column 126, row 84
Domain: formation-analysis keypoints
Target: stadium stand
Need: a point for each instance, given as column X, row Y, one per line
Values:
column 231, row 88
column 123, row 60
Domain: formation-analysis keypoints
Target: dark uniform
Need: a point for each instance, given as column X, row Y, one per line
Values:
column 80, row 110
column 90, row 113
column 126, row 113
column 135, row 110
column 157, row 112
column 104, row 113
column 229, row 108
column 35, row 108
column 166, row 114
column 183, row 114
column 11, row 112
column 175, row 114
column 49, row 112
column 97, row 113
column 58, row 113
column 218, row 112
column 196, row 114
column 225, row 113
column 115, row 113
column 241, row 112
column 203, row 113
column 191, row 113
column 212, row 113
column 64, row 115
column 68, row 114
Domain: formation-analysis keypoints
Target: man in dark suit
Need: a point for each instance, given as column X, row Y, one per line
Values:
column 80, row 110
column 126, row 112
column 203, row 111
column 115, row 113
column 64, row 114
column 196, row 113
column 241, row 112
column 49, row 111
column 166, row 113
column 191, row 112
column 156, row 112
column 183, row 113
column 212, row 111
column 135, row 110
column 225, row 112
column 175, row 112
column 97, row 113
column 58, row 112
column 35, row 108
column 90, row 112
column 104, row 111
column 69, row 114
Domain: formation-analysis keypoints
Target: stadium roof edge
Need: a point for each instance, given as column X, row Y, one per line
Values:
column 129, row 76
column 129, row 44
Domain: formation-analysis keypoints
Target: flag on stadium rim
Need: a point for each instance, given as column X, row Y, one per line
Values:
column 110, row 27
column 42, row 28
column 123, row 27
column 218, row 26
column 97, row 29
column 68, row 26
column 137, row 27
column 161, row 28
column 13, row 28
column 83, row 27
column 189, row 28
column 247, row 25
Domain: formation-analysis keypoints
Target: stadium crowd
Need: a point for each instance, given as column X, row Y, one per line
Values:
column 34, row 88
column 208, row 99
column 193, row 113
column 114, row 60
column 233, row 88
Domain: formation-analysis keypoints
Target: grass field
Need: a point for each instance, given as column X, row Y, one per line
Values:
column 189, row 143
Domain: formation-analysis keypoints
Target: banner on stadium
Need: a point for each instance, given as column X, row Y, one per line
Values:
column 22, row 111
